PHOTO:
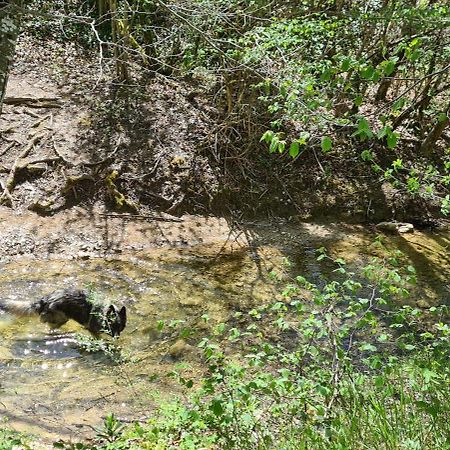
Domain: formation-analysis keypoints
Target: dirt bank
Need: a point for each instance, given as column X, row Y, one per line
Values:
column 70, row 136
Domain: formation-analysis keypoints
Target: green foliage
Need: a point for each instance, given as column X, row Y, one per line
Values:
column 341, row 364
column 371, row 69
column 111, row 430
column 110, row 349
column 11, row 439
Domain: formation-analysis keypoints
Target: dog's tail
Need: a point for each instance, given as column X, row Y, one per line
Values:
column 18, row 308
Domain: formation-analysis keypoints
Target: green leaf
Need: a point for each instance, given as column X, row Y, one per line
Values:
column 217, row 408
column 397, row 164
column 267, row 137
column 391, row 140
column 358, row 100
column 368, row 73
column 363, row 125
column 368, row 348
column 414, row 55
column 383, row 132
column 363, row 131
column 367, row 155
column 442, row 117
column 326, row 75
column 303, row 139
column 376, row 76
column 345, row 64
column 389, row 67
column 327, row 144
column 274, row 144
column 294, row 149
column 399, row 104
column 409, row 347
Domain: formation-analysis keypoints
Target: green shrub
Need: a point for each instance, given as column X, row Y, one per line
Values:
column 344, row 365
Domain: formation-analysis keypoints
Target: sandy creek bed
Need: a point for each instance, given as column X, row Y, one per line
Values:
column 162, row 271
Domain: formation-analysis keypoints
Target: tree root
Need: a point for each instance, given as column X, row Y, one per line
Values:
column 33, row 102
column 8, row 185
column 118, row 197
column 162, row 217
column 8, row 147
column 71, row 181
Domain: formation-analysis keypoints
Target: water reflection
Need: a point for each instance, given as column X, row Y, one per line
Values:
column 76, row 387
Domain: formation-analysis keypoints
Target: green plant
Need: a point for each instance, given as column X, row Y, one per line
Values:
column 11, row 439
column 111, row 430
column 346, row 363
column 95, row 345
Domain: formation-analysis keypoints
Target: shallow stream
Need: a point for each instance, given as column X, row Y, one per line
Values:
column 52, row 386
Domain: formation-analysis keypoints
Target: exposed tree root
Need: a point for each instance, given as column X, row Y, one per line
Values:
column 8, row 147
column 72, row 181
column 118, row 197
column 8, row 185
column 162, row 217
column 34, row 102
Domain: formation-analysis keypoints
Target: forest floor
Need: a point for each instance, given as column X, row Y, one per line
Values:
column 69, row 136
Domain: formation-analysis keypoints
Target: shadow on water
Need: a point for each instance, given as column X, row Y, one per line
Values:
column 54, row 384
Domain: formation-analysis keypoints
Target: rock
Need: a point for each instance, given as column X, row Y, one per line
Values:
column 83, row 255
column 422, row 304
column 395, row 227
column 179, row 348
column 191, row 301
column 405, row 228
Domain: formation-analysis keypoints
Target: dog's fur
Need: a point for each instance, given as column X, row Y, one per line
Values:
column 57, row 308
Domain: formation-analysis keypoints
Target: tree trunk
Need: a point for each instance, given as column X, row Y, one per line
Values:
column 119, row 42
column 435, row 133
column 9, row 31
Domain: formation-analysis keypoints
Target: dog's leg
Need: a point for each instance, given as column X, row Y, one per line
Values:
column 54, row 319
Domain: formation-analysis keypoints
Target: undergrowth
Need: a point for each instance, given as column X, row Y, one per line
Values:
column 344, row 365
column 10, row 439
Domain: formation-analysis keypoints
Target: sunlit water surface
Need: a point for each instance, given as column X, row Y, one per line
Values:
column 51, row 385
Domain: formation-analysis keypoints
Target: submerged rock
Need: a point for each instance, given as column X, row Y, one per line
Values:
column 179, row 348
column 395, row 227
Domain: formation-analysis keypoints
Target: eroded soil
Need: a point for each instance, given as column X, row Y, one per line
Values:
column 70, row 136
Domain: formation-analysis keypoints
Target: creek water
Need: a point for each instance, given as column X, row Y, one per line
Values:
column 54, row 384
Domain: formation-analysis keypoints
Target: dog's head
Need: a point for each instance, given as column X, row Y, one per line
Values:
column 115, row 320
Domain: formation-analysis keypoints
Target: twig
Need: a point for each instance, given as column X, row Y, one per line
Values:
column 42, row 160
column 289, row 194
column 40, row 120
column 31, row 113
column 28, row 100
column 318, row 162
column 143, row 217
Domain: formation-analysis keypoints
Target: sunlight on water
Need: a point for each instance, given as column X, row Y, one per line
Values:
column 59, row 377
